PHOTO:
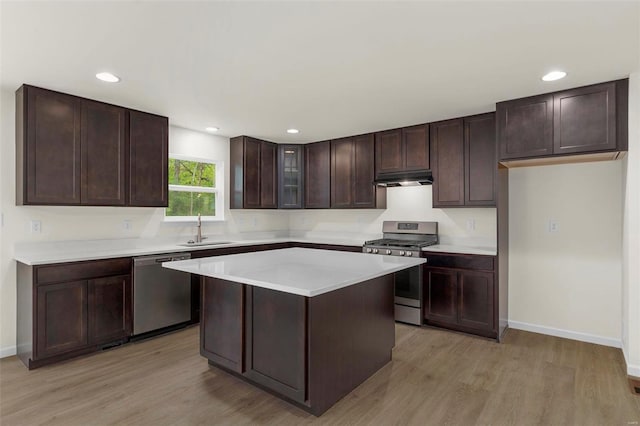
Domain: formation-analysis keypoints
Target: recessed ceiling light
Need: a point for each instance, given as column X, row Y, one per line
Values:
column 554, row 75
column 108, row 77
column 212, row 129
column 293, row 131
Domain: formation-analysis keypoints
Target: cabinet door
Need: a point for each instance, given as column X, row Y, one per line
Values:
column 290, row 176
column 416, row 147
column 364, row 190
column 447, row 157
column 341, row 173
column 251, row 167
column 52, row 132
column 585, row 119
column 317, row 172
column 222, row 322
column 441, row 299
column 390, row 155
column 109, row 309
column 268, row 175
column 149, row 159
column 103, row 154
column 61, row 318
column 525, row 127
column 276, row 340
column 480, row 161
column 475, row 300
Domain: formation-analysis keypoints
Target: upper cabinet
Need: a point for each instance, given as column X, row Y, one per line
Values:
column 253, row 173
column 463, row 161
column 317, row 175
column 73, row 151
column 148, row 160
column 290, row 176
column 591, row 119
column 401, row 150
column 352, row 174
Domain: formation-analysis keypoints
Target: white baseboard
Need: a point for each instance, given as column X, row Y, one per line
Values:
column 632, row 369
column 567, row 334
column 7, row 351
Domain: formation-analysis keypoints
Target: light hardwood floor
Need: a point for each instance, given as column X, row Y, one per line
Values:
column 435, row 378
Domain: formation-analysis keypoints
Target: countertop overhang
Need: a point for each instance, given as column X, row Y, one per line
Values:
column 301, row 271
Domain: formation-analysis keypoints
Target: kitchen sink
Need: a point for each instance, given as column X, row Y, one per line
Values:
column 204, row 243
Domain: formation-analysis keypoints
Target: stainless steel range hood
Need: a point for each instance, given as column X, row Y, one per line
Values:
column 420, row 177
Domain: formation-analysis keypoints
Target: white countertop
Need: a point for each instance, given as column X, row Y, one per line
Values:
column 301, row 271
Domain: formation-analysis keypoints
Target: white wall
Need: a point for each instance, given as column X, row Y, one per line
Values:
column 631, row 236
column 567, row 283
column 403, row 203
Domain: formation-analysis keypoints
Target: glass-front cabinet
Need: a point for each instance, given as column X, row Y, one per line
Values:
column 290, row 176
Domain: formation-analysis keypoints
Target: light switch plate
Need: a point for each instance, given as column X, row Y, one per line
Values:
column 36, row 227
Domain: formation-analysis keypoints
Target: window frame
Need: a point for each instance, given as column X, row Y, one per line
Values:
column 218, row 190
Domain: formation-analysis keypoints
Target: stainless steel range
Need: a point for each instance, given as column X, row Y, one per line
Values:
column 405, row 239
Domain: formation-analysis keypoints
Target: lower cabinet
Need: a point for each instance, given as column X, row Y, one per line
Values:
column 460, row 296
column 75, row 308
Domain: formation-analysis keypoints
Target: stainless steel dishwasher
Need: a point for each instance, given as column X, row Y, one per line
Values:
column 161, row 296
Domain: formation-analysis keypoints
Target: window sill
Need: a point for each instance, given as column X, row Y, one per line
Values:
column 190, row 219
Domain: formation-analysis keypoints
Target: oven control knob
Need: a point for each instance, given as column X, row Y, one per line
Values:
column 409, row 253
column 388, row 251
column 401, row 253
column 375, row 251
column 368, row 250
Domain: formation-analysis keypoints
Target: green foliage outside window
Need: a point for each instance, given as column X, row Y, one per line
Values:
column 189, row 202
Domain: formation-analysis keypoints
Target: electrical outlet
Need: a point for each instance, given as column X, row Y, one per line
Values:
column 36, row 227
column 127, row 225
column 471, row 224
column 553, row 226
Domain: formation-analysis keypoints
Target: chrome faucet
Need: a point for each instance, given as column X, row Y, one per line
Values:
column 199, row 236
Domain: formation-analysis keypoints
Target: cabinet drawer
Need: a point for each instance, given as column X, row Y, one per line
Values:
column 82, row 270
column 472, row 261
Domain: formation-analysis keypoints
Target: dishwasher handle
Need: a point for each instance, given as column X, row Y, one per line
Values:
column 157, row 260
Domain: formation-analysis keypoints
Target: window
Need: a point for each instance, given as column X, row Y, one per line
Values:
column 195, row 186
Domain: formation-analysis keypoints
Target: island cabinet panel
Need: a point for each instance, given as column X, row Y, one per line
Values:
column 74, row 308
column 103, row 154
column 585, row 120
column 317, row 175
column 61, row 318
column 254, row 173
column 311, row 351
column 276, row 341
column 76, row 151
column 222, row 323
column 460, row 293
column 148, row 160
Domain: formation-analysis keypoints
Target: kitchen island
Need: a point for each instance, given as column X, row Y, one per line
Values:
column 306, row 325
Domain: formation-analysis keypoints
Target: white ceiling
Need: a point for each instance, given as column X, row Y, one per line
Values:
column 328, row 68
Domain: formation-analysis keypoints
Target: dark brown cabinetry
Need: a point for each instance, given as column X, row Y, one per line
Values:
column 73, row 151
column 290, row 176
column 404, row 149
column 75, row 308
column 460, row 293
column 317, row 175
column 254, row 180
column 588, row 119
column 463, row 161
column 352, row 174
column 148, row 160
